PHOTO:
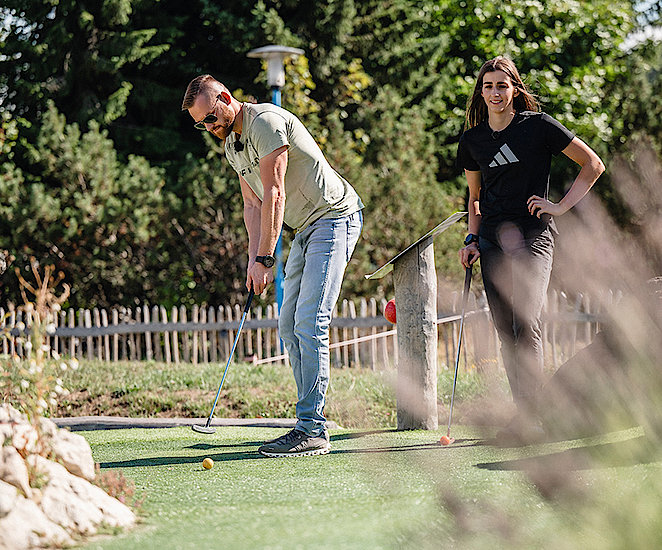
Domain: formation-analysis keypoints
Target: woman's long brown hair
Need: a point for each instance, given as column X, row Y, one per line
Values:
column 523, row 101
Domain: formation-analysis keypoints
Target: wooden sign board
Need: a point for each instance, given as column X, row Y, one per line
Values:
column 388, row 266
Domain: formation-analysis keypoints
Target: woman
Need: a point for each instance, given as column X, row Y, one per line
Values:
column 506, row 153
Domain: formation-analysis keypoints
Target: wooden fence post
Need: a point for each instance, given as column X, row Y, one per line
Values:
column 136, row 336
column 213, row 340
column 204, row 348
column 223, row 347
column 372, row 310
column 81, row 323
column 149, row 353
column 415, row 281
column 156, row 337
column 185, row 338
column 175, row 342
column 106, row 338
column 116, row 321
column 230, row 335
column 258, row 342
column 97, row 323
column 195, row 317
column 356, row 358
column 166, row 336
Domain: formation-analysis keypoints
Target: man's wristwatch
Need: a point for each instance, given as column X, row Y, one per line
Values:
column 471, row 238
column 266, row 261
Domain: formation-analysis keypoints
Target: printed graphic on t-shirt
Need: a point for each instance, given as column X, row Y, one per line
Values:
column 504, row 156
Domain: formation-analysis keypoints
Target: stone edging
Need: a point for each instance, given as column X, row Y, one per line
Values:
column 84, row 423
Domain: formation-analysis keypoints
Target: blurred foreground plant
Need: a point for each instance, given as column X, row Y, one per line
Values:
column 118, row 486
column 30, row 379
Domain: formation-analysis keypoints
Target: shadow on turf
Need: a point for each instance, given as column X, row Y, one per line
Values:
column 356, row 435
column 635, row 451
column 254, row 455
column 417, row 447
column 176, row 460
column 208, row 446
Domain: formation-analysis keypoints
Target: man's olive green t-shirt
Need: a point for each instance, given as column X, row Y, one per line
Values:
column 313, row 190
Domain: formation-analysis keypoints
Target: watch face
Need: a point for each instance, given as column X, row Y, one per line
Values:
column 266, row 261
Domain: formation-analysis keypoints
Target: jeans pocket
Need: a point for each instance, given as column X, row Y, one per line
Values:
column 354, row 228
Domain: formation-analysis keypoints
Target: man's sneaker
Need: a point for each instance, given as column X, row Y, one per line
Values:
column 297, row 443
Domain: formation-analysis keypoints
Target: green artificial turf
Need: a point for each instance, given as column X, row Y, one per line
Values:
column 384, row 489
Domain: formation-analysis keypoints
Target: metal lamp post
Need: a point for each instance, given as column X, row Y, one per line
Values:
column 275, row 55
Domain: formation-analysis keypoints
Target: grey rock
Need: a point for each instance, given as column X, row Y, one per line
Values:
column 77, row 505
column 8, row 496
column 26, row 526
column 13, row 469
column 74, row 452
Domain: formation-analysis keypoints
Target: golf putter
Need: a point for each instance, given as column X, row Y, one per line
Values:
column 207, row 428
column 465, row 297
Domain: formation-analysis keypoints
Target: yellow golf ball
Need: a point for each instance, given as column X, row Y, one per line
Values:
column 207, row 463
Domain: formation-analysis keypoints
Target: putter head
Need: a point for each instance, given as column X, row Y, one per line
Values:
column 203, row 429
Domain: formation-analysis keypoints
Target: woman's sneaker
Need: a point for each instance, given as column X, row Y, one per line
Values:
column 297, row 443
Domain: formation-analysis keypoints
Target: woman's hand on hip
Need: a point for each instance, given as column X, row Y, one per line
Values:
column 538, row 206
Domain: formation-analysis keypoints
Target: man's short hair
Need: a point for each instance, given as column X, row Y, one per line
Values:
column 199, row 85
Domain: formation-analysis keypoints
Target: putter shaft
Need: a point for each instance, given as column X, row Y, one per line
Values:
column 465, row 298
column 206, row 428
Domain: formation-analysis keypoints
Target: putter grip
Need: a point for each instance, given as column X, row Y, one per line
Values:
column 249, row 301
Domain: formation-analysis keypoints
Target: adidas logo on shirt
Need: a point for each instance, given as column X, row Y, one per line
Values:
column 504, row 156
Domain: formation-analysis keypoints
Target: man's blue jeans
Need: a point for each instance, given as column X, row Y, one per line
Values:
column 313, row 276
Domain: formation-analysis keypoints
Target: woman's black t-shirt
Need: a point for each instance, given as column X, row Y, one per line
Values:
column 514, row 164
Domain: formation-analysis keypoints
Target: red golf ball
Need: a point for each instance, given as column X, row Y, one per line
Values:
column 389, row 311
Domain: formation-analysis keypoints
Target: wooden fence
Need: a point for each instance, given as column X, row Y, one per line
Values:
column 359, row 336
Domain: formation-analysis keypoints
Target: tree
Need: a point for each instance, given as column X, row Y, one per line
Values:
column 73, row 53
column 97, row 219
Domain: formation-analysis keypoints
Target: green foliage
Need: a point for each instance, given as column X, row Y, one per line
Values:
column 211, row 240
column 638, row 94
column 98, row 219
column 433, row 51
column 73, row 53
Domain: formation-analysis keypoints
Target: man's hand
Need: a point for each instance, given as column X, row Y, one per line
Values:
column 259, row 277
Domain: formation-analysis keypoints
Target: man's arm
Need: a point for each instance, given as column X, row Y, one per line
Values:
column 252, row 213
column 266, row 225
column 272, row 174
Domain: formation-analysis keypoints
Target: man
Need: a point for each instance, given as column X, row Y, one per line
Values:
column 285, row 178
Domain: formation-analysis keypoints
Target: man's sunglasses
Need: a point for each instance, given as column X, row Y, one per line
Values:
column 210, row 118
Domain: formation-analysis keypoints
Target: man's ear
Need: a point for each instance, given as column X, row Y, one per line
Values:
column 225, row 98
